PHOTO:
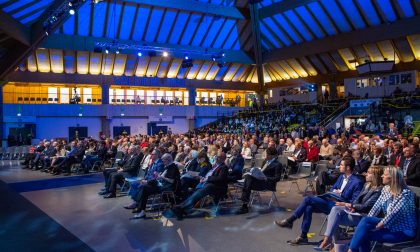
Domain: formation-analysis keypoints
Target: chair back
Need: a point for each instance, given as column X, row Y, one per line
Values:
column 259, row 162
column 305, row 169
column 416, row 191
column 283, row 160
column 323, row 162
column 320, row 168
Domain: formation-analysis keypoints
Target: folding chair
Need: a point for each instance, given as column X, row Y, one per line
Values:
column 310, row 181
column 256, row 196
column 304, row 171
column 128, row 181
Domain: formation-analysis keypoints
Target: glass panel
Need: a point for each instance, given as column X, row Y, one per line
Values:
column 87, row 95
column 64, row 96
column 52, row 95
column 186, row 98
column 150, row 96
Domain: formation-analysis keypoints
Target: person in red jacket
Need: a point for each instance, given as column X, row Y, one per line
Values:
column 313, row 152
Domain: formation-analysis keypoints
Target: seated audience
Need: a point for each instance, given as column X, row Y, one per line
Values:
column 350, row 214
column 214, row 183
column 264, row 179
column 129, row 169
column 410, row 166
column 235, row 165
column 346, row 189
column 399, row 223
column 168, row 180
column 191, row 177
column 326, row 151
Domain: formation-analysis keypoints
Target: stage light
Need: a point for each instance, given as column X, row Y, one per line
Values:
column 71, row 11
column 165, row 54
column 122, row 114
column 186, row 57
column 46, row 33
column 160, row 114
column 213, row 58
column 19, row 114
column 106, row 51
column 139, row 54
column 117, row 52
column 223, row 54
column 80, row 114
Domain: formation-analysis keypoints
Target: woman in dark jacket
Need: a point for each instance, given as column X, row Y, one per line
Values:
column 349, row 214
column 377, row 157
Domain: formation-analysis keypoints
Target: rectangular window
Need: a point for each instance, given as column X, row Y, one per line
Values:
column 64, row 95
column 52, row 95
column 87, row 95
column 186, row 98
column 130, row 98
column 150, row 97
column 111, row 96
column 119, row 96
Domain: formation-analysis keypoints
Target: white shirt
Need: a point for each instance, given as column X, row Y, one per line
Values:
column 345, row 181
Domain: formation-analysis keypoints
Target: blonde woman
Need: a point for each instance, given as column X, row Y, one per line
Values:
column 246, row 151
column 397, row 204
column 350, row 214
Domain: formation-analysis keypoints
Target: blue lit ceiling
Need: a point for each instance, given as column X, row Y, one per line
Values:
column 25, row 11
column 323, row 18
column 182, row 27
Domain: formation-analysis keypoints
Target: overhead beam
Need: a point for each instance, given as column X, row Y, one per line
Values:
column 36, row 77
column 282, row 6
column 18, row 54
column 256, row 39
column 338, row 77
column 400, row 28
column 14, row 28
column 194, row 6
column 82, row 43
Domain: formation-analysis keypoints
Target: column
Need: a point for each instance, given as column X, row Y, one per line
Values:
column 192, row 96
column 4, row 137
column 333, row 90
column 105, row 93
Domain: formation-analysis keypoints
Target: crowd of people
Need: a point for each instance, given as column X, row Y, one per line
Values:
column 365, row 185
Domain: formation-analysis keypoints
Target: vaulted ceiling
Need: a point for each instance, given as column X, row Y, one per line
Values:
column 299, row 38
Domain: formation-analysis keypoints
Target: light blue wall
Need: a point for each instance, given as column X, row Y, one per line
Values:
column 55, row 119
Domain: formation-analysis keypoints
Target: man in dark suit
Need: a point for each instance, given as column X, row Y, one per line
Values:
column 215, row 183
column 299, row 156
column 347, row 187
column 361, row 165
column 236, row 166
column 130, row 169
column 272, row 171
column 410, row 165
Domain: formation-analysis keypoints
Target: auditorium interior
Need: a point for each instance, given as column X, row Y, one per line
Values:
column 210, row 125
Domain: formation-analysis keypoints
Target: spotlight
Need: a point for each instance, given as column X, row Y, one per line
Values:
column 71, row 11
column 223, row 54
column 139, row 54
column 70, row 4
column 213, row 58
column 186, row 63
column 117, row 52
column 186, row 57
column 165, row 54
column 19, row 114
column 46, row 33
column 106, row 51
column 160, row 114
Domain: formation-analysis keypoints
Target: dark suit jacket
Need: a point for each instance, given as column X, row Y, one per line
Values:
column 219, row 177
column 79, row 153
column 302, row 155
column 413, row 171
column 353, row 188
column 382, row 160
column 236, row 165
column 132, row 165
column 193, row 166
column 362, row 166
column 366, row 199
column 273, row 173
column 393, row 159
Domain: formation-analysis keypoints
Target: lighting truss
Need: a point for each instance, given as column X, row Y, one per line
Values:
column 60, row 13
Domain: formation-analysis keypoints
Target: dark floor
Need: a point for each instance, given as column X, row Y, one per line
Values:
column 56, row 214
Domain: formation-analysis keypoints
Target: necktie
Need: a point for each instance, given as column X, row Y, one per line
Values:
column 405, row 166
